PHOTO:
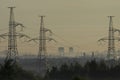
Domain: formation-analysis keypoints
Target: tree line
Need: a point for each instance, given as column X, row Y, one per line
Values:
column 11, row 70
column 92, row 70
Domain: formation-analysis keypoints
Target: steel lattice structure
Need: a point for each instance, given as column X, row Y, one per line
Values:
column 111, row 39
column 12, row 36
column 42, row 53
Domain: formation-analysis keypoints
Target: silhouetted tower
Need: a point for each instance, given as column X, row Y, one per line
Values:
column 12, row 36
column 111, row 42
column 71, row 50
column 93, row 54
column 84, row 54
column 61, row 51
column 111, row 39
column 42, row 53
column 12, row 42
column 42, row 46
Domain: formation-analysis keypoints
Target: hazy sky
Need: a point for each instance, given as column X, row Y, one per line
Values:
column 81, row 22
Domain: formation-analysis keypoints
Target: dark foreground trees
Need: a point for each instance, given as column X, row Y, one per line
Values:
column 11, row 71
column 90, row 71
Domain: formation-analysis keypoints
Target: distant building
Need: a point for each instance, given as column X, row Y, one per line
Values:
column 61, row 51
column 84, row 54
column 93, row 54
column 71, row 50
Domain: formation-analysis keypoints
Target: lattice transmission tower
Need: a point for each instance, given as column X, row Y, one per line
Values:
column 12, row 36
column 42, row 53
column 111, row 39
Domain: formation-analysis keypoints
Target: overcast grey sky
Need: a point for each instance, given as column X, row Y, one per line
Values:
column 81, row 22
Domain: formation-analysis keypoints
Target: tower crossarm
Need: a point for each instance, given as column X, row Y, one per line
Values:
column 21, row 35
column 51, row 39
column 103, row 39
column 37, row 39
column 33, row 39
column 3, row 36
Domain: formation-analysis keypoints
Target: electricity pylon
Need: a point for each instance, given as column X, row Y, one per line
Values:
column 12, row 36
column 42, row 53
column 111, row 39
